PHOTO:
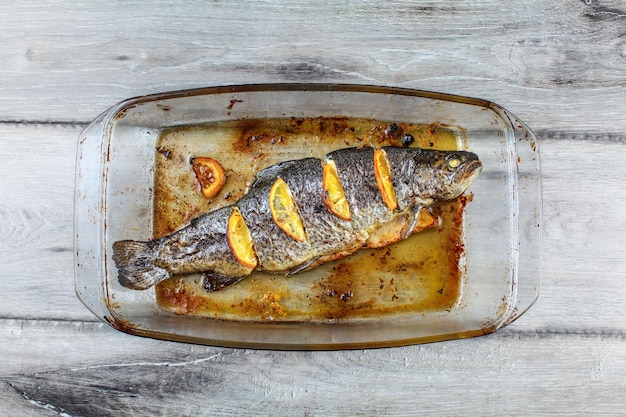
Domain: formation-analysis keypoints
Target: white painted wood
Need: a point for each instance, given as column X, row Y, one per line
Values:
column 583, row 239
column 36, row 222
column 560, row 67
column 584, row 235
column 504, row 374
column 547, row 62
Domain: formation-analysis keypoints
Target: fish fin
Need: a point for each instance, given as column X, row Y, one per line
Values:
column 268, row 175
column 424, row 219
column 304, row 266
column 320, row 260
column 413, row 224
column 216, row 282
column 134, row 261
column 397, row 229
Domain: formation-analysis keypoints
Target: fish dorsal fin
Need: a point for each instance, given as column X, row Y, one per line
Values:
column 268, row 175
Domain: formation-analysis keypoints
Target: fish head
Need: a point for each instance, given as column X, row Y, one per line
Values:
column 447, row 174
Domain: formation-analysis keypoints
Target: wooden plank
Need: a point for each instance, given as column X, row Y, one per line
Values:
column 14, row 400
column 582, row 272
column 559, row 67
column 583, row 266
column 509, row 373
column 36, row 222
column 555, row 65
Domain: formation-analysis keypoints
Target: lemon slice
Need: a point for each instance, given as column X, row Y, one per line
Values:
column 383, row 179
column 210, row 175
column 240, row 240
column 285, row 211
column 333, row 194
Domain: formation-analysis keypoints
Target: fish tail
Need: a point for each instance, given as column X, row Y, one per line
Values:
column 135, row 264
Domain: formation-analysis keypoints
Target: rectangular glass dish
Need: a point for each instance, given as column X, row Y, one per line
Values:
column 133, row 182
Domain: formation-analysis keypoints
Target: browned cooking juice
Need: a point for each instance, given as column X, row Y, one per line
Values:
column 422, row 273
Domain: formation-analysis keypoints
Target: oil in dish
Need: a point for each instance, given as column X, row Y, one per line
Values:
column 295, row 215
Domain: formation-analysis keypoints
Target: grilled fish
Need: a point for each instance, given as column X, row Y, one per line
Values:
column 373, row 216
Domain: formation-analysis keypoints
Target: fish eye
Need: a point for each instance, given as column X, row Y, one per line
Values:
column 453, row 161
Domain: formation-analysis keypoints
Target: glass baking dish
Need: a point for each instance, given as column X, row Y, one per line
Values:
column 116, row 195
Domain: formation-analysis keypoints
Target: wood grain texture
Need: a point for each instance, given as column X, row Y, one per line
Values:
column 36, row 222
column 569, row 339
column 493, row 374
column 560, row 67
column 584, row 227
column 548, row 63
column 583, row 234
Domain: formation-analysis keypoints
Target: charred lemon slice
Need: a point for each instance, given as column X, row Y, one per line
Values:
column 210, row 175
column 383, row 179
column 285, row 211
column 332, row 192
column 240, row 240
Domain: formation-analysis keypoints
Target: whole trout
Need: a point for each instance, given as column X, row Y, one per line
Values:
column 420, row 178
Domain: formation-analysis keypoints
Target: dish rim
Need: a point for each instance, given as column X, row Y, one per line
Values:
column 107, row 119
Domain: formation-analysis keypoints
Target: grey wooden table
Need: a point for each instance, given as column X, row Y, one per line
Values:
column 559, row 66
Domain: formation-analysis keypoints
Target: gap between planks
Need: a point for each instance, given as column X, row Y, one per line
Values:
column 35, row 123
column 542, row 134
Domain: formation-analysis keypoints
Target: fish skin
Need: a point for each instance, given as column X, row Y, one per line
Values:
column 269, row 239
column 356, row 173
column 420, row 178
column 200, row 246
column 323, row 229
